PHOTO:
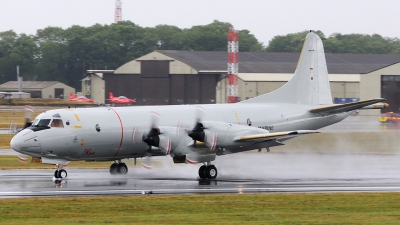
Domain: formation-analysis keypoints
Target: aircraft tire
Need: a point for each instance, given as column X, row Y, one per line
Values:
column 211, row 172
column 202, row 172
column 56, row 174
column 122, row 168
column 113, row 168
column 62, row 174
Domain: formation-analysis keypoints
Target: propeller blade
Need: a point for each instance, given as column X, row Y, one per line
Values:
column 147, row 162
column 29, row 110
column 22, row 159
column 165, row 145
column 12, row 127
column 211, row 140
column 155, row 117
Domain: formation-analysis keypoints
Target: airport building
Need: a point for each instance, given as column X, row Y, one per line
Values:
column 40, row 89
column 169, row 77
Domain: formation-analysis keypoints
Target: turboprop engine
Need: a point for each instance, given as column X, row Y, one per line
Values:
column 219, row 134
column 164, row 137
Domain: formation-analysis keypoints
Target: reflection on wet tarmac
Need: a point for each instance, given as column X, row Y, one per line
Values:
column 389, row 126
column 240, row 173
column 207, row 182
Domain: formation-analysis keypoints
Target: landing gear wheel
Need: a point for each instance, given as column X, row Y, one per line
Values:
column 122, row 168
column 113, row 168
column 62, row 174
column 211, row 172
column 56, row 174
column 202, row 172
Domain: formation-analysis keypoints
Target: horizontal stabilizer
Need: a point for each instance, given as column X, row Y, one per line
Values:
column 277, row 135
column 339, row 108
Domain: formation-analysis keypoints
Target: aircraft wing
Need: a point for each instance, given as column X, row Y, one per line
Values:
column 276, row 135
column 347, row 106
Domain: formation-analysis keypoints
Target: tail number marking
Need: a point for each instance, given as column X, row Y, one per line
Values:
column 266, row 127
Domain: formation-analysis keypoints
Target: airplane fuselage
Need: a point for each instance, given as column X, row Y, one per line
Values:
column 111, row 133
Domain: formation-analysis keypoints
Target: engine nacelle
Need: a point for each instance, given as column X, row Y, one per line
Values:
column 226, row 133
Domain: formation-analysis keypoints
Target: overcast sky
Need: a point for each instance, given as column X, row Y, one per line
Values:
column 263, row 18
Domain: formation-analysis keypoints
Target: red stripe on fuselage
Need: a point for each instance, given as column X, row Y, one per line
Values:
column 122, row 131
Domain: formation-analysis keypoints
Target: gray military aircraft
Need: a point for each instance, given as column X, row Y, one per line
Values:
column 190, row 133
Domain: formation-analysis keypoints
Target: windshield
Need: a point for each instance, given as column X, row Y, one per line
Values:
column 43, row 123
column 35, row 122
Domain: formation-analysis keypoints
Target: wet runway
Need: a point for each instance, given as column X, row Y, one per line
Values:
column 240, row 173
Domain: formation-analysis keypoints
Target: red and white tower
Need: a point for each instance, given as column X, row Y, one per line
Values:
column 233, row 66
column 118, row 11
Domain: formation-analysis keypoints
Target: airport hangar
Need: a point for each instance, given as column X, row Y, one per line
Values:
column 170, row 77
column 39, row 89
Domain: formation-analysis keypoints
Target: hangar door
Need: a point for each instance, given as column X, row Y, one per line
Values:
column 390, row 90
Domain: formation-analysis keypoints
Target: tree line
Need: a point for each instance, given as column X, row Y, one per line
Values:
column 56, row 54
column 338, row 43
column 65, row 54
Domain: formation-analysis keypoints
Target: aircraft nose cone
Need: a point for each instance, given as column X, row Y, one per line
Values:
column 26, row 142
column 16, row 143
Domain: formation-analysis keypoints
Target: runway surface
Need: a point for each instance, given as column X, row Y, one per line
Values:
column 240, row 173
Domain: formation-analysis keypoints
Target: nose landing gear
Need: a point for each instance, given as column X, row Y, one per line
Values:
column 208, row 171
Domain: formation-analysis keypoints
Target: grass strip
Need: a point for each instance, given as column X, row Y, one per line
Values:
column 341, row 208
column 5, row 141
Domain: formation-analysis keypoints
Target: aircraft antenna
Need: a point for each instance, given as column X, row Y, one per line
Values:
column 118, row 11
column 233, row 66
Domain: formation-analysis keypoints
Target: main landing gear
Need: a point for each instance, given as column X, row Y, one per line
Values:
column 60, row 172
column 118, row 168
column 208, row 171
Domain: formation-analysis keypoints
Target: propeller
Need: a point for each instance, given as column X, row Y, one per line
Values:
column 200, row 133
column 28, row 113
column 154, row 138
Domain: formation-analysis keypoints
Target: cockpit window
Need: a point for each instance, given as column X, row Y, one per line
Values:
column 40, row 124
column 57, row 123
column 35, row 122
column 43, row 123
column 57, row 115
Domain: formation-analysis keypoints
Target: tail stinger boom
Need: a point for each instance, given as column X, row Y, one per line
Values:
column 310, row 82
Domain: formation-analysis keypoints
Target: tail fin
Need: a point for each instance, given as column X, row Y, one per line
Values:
column 111, row 95
column 71, row 95
column 310, row 82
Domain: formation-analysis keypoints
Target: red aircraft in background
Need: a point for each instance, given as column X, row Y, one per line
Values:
column 120, row 99
column 79, row 99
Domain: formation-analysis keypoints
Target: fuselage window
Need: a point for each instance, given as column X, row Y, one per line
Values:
column 57, row 123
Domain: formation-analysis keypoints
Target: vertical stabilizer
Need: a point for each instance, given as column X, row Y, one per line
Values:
column 310, row 82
